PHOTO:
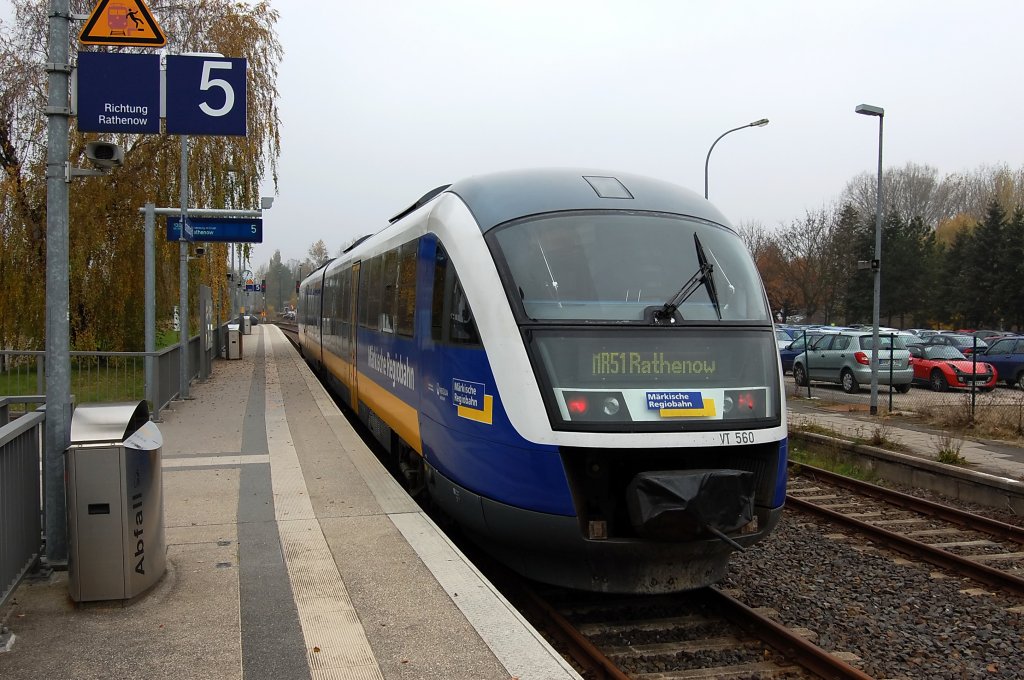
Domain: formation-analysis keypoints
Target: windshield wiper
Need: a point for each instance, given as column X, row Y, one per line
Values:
column 703, row 276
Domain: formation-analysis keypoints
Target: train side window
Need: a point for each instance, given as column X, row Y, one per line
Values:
column 462, row 327
column 388, row 291
column 372, row 313
column 437, row 297
column 331, row 306
column 364, row 294
column 345, row 309
column 406, row 308
column 451, row 319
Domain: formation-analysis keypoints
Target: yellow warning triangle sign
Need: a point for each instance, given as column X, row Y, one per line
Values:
column 122, row 22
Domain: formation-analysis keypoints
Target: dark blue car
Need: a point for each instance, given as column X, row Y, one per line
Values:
column 796, row 348
column 1007, row 355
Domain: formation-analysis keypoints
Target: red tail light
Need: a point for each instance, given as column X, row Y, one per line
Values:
column 577, row 405
column 862, row 358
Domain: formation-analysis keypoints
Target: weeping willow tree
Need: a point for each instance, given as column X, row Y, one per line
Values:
column 106, row 228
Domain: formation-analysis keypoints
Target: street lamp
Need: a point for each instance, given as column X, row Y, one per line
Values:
column 876, row 262
column 756, row 123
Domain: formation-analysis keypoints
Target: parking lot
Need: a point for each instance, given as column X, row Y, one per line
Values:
column 999, row 413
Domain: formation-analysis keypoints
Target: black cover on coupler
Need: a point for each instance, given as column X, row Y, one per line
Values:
column 681, row 504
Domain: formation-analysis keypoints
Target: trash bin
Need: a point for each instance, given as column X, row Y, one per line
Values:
column 234, row 342
column 115, row 504
column 246, row 324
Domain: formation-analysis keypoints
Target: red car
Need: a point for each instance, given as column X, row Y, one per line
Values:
column 943, row 367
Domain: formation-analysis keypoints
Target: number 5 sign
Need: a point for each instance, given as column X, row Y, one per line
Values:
column 205, row 95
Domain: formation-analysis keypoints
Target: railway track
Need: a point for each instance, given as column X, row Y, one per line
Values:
column 290, row 329
column 700, row 634
column 980, row 548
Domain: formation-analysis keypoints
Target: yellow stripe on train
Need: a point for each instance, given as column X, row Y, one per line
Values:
column 399, row 416
column 338, row 367
column 484, row 416
column 707, row 411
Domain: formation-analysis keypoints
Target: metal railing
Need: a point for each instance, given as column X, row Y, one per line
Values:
column 109, row 376
column 21, row 445
column 95, row 377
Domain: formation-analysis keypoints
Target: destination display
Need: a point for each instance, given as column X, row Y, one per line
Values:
column 649, row 363
column 671, row 359
column 218, row 229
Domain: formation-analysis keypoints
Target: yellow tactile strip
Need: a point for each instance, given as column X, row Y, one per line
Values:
column 336, row 644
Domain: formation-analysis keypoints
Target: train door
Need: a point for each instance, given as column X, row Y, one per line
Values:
column 353, row 350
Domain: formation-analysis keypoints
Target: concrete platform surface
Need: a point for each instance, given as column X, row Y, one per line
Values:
column 290, row 554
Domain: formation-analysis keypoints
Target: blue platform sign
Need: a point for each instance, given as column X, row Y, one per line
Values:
column 206, row 95
column 118, row 92
column 218, row 229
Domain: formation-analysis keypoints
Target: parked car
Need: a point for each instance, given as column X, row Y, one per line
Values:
column 782, row 338
column 964, row 343
column 845, row 358
column 1007, row 355
column 797, row 347
column 1001, row 334
column 942, row 367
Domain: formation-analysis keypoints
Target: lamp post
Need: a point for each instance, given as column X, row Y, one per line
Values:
column 756, row 123
column 876, row 262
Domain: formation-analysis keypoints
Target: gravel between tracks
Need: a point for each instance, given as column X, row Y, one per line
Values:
column 900, row 620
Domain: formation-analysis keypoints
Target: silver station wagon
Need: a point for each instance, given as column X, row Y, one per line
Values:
column 845, row 358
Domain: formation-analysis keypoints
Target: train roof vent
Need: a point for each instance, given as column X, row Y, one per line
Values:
column 608, row 187
column 426, row 198
column 357, row 242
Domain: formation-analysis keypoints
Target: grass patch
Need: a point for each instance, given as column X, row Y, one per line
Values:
column 167, row 338
column 92, row 380
column 879, row 436
column 831, row 461
column 947, row 447
column 814, row 428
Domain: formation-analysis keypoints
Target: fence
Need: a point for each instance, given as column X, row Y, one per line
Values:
column 996, row 411
column 20, row 510
column 111, row 376
column 95, row 377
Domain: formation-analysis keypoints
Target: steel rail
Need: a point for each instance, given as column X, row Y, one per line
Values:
column 1002, row 530
column 580, row 648
column 791, row 645
column 908, row 546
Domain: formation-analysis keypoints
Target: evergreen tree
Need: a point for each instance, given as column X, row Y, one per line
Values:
column 1010, row 287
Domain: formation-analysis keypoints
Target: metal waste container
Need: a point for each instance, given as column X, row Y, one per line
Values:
column 115, row 503
column 246, row 324
column 234, row 342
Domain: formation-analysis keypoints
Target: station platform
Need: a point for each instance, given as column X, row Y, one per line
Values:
column 291, row 553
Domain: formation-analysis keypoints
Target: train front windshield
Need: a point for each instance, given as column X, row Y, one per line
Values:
column 642, row 318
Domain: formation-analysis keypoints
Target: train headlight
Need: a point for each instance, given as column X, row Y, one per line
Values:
column 595, row 406
column 577, row 405
column 611, row 406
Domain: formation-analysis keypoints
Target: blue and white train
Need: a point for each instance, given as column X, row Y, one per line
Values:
column 579, row 368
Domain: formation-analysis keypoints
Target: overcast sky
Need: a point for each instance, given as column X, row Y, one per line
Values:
column 381, row 102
